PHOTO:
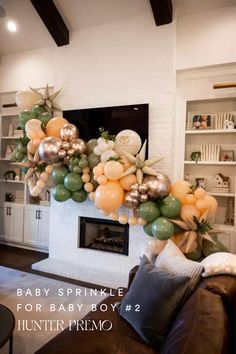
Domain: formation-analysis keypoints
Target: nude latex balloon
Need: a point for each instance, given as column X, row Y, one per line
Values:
column 188, row 212
column 109, row 197
column 54, row 126
column 180, row 189
column 127, row 181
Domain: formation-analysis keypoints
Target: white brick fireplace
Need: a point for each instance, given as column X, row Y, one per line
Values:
column 94, row 266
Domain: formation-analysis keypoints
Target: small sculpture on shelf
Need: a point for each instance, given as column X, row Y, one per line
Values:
column 222, row 184
column 228, row 125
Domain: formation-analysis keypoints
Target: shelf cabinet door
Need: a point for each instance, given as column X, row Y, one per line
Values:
column 43, row 237
column 16, row 223
column 5, row 223
column 31, row 225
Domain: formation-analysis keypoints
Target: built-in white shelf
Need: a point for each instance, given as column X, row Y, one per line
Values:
column 223, row 163
column 11, row 181
column 10, row 137
column 222, row 194
column 210, row 131
column 224, row 227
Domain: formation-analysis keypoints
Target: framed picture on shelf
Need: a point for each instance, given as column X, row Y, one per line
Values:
column 199, row 121
column 200, row 182
column 227, row 155
column 9, row 150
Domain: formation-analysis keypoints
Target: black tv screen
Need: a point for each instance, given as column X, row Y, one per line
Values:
column 113, row 119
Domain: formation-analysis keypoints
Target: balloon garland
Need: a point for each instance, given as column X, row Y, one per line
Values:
column 113, row 172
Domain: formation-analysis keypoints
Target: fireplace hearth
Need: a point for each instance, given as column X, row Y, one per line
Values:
column 104, row 235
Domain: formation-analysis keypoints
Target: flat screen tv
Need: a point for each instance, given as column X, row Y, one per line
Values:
column 113, row 119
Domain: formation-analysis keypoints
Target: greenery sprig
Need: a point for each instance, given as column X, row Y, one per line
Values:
column 115, row 158
column 203, row 226
column 105, row 134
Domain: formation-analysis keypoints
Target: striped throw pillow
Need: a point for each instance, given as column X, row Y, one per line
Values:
column 173, row 260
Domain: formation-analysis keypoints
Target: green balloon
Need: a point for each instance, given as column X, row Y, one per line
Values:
column 77, row 169
column 24, row 116
column 37, row 110
column 74, row 161
column 83, row 163
column 79, row 196
column 25, row 169
column 93, row 160
column 91, row 144
column 60, row 193
column 58, row 174
column 21, row 148
column 148, row 229
column 162, row 228
column 71, row 168
column 149, row 211
column 197, row 255
column 209, row 247
column 12, row 157
column 170, row 207
column 44, row 117
column 92, row 180
column 19, row 156
column 73, row 182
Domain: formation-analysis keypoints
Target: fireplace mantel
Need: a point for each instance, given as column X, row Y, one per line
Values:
column 67, row 259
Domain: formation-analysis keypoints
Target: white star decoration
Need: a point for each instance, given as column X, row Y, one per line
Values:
column 140, row 166
column 47, row 100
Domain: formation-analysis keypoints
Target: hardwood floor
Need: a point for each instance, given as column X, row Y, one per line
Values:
column 22, row 259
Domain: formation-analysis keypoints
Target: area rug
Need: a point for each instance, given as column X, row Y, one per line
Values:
column 43, row 307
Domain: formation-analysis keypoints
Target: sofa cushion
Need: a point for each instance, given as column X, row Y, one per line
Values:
column 153, row 299
column 122, row 338
column 219, row 263
column 174, row 261
column 200, row 327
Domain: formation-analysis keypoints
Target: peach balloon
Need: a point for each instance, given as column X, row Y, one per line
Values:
column 213, row 205
column 190, row 199
column 109, row 197
column 127, row 181
column 113, row 170
column 125, row 162
column 188, row 211
column 200, row 193
column 53, row 128
column 180, row 190
column 40, row 134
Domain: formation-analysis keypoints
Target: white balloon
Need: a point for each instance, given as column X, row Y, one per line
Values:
column 101, row 141
column 26, row 99
column 107, row 154
column 129, row 141
column 103, row 147
column 111, row 144
column 97, row 150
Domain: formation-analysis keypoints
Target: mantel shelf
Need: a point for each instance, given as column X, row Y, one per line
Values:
column 11, row 181
column 222, row 163
column 210, row 131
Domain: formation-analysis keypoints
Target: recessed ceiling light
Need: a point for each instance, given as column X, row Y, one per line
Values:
column 11, row 25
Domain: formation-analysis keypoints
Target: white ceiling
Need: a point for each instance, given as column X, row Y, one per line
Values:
column 80, row 14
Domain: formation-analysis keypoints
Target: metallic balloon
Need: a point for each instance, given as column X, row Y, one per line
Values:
column 134, row 187
column 143, row 198
column 79, row 145
column 62, row 154
column 130, row 202
column 143, row 188
column 49, row 149
column 71, row 152
column 158, row 187
column 69, row 132
column 65, row 145
column 135, row 194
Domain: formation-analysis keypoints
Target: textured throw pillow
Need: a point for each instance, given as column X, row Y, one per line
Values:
column 173, row 260
column 152, row 302
column 219, row 263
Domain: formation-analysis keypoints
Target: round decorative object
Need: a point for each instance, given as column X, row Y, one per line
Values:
column 130, row 202
column 60, row 193
column 129, row 141
column 65, row 145
column 70, row 152
column 148, row 229
column 53, row 128
column 134, row 194
column 123, row 219
column 58, row 174
column 143, row 198
column 24, row 117
column 49, row 149
column 26, row 99
column 158, row 187
column 73, row 182
column 113, row 170
column 62, row 154
column 127, row 181
column 170, row 207
column 37, row 110
column 88, row 187
column 107, row 154
column 79, row 196
column 109, row 197
column 149, row 211
column 32, row 125
column 91, row 144
column 143, row 188
column 44, row 117
column 114, row 216
column 132, row 221
column 69, row 132
column 134, row 187
column 162, row 228
column 189, row 211
column 93, row 160
column 79, row 145
column 180, row 189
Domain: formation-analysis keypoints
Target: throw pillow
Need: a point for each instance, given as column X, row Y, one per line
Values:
column 152, row 302
column 173, row 260
column 219, row 263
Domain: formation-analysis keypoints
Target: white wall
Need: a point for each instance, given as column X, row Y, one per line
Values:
column 125, row 62
column 206, row 38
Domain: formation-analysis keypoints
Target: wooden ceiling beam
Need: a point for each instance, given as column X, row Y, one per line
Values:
column 53, row 20
column 162, row 11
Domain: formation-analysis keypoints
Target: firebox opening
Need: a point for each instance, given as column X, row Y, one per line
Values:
column 104, row 235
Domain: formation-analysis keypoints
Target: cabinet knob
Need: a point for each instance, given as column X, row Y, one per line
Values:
column 39, row 215
column 9, row 211
column 36, row 214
